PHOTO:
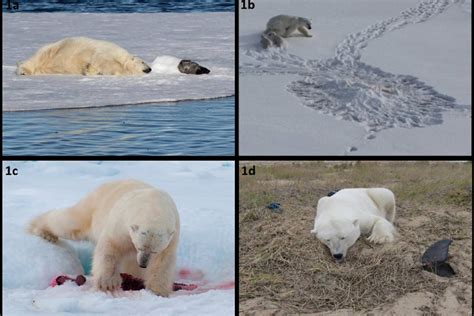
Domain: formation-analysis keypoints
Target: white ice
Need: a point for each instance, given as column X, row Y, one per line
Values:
column 206, row 38
column 377, row 77
column 204, row 194
column 166, row 65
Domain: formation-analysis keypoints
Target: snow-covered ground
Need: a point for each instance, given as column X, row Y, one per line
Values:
column 377, row 77
column 204, row 194
column 206, row 38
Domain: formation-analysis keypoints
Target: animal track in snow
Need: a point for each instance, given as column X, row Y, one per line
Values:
column 346, row 88
column 371, row 97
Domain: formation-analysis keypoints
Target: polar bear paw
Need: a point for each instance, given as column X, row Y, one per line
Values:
column 47, row 235
column 108, row 283
column 44, row 233
column 159, row 289
column 382, row 232
column 378, row 238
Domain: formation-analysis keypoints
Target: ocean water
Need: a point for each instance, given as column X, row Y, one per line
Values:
column 121, row 6
column 203, row 127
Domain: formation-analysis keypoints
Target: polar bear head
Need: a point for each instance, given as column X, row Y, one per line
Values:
column 135, row 65
column 304, row 22
column 338, row 236
column 148, row 241
column 23, row 69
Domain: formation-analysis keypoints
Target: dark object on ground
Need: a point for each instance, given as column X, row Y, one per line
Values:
column 130, row 283
column 333, row 192
column 433, row 260
column 190, row 67
column 275, row 207
column 442, row 269
column 80, row 279
column 182, row 286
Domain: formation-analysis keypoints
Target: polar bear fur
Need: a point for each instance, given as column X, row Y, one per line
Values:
column 282, row 26
column 344, row 216
column 135, row 228
column 83, row 56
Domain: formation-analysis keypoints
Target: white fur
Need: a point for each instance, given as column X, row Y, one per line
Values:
column 135, row 227
column 281, row 26
column 82, row 56
column 285, row 25
column 344, row 216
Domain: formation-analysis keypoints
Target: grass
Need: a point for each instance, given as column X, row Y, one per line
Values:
column 281, row 262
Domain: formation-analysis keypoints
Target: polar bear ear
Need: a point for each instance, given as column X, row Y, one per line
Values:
column 356, row 223
column 134, row 228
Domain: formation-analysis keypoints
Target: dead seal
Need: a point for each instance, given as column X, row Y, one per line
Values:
column 187, row 66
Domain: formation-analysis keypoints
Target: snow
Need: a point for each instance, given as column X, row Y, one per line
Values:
column 166, row 65
column 147, row 35
column 204, row 195
column 377, row 77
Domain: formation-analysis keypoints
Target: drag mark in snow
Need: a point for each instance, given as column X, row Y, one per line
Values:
column 351, row 90
column 371, row 97
column 274, row 61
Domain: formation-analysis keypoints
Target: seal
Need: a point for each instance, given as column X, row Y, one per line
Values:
column 187, row 66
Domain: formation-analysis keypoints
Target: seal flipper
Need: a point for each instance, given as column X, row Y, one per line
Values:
column 202, row 70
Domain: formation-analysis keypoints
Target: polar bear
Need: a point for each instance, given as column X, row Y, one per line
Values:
column 281, row 26
column 342, row 217
column 83, row 56
column 135, row 228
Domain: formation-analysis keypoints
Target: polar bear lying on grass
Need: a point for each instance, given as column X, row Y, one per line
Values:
column 341, row 218
column 281, row 26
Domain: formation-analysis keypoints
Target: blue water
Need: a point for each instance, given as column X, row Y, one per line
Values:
column 121, row 6
column 197, row 128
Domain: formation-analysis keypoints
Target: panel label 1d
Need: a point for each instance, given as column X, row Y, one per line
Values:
column 248, row 171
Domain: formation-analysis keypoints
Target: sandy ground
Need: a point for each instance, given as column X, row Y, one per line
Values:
column 284, row 270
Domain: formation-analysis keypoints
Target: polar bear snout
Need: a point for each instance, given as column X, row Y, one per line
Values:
column 339, row 257
column 142, row 259
column 147, row 70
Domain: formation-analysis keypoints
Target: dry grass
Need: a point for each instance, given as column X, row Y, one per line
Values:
column 283, row 264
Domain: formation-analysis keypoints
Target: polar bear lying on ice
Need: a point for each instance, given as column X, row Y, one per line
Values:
column 282, row 26
column 341, row 218
column 83, row 56
column 91, row 57
column 135, row 228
